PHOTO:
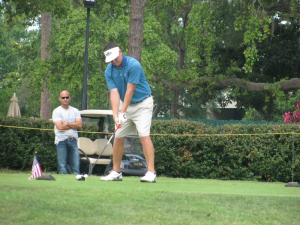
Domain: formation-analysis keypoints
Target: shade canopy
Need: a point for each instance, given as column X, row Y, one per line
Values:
column 14, row 109
column 96, row 113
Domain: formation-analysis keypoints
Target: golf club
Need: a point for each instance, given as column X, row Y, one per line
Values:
column 85, row 176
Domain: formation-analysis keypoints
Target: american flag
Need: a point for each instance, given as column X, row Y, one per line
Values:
column 36, row 169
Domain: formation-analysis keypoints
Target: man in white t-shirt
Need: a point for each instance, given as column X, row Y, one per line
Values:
column 67, row 120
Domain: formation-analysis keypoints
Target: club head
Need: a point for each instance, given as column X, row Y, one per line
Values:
column 82, row 177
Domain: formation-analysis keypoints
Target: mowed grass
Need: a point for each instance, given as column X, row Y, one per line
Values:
column 169, row 201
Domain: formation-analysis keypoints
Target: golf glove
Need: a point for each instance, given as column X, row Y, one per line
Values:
column 122, row 118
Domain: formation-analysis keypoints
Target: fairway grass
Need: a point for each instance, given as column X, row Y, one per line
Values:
column 169, row 201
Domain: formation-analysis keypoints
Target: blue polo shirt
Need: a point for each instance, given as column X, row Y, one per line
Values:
column 131, row 72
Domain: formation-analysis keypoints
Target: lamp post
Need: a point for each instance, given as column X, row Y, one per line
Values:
column 87, row 4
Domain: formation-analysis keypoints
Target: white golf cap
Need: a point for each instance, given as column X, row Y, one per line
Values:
column 111, row 54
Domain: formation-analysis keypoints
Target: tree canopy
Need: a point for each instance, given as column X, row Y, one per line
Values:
column 191, row 51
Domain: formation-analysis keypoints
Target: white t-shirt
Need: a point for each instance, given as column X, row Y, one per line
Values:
column 65, row 115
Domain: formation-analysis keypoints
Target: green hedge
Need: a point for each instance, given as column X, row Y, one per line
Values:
column 19, row 143
column 213, row 154
column 182, row 148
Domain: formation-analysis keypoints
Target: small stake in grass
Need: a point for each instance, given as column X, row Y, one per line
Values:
column 292, row 184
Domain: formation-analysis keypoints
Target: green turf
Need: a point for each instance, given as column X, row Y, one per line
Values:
column 169, row 201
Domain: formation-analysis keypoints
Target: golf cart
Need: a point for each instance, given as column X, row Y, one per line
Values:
column 132, row 164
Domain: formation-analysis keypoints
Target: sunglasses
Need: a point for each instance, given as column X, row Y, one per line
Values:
column 65, row 97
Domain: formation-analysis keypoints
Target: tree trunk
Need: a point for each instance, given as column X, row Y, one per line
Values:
column 157, row 106
column 286, row 85
column 269, row 115
column 175, row 100
column 45, row 112
column 136, row 28
column 182, row 49
column 174, row 105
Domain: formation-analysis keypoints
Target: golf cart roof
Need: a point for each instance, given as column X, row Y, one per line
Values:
column 95, row 113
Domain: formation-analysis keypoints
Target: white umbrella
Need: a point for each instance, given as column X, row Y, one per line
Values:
column 14, row 109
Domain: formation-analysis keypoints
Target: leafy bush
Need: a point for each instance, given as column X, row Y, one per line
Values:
column 21, row 138
column 288, row 118
column 183, row 148
column 230, row 152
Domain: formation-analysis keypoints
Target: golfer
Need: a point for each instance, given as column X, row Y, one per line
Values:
column 67, row 120
column 132, row 106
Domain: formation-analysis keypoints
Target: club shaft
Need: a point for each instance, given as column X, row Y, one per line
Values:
column 104, row 149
